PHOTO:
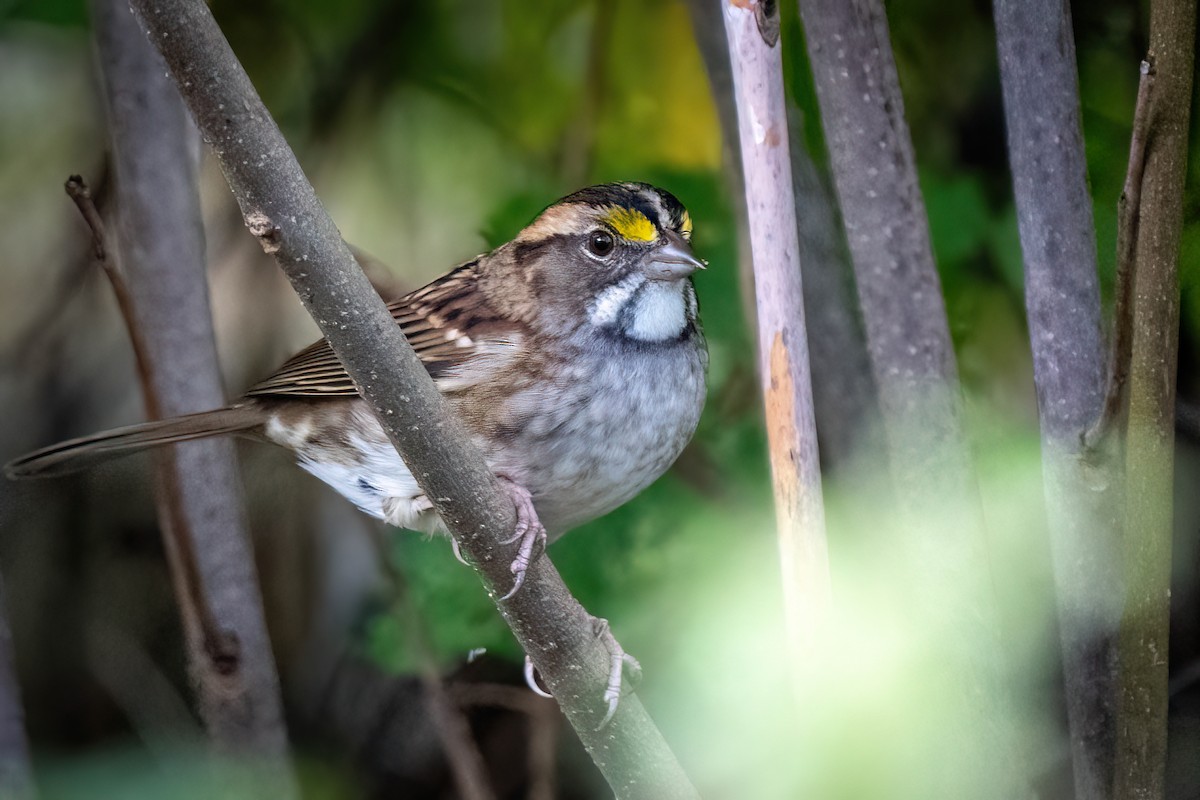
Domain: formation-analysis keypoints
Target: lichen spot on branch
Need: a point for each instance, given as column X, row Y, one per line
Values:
column 266, row 231
column 781, row 420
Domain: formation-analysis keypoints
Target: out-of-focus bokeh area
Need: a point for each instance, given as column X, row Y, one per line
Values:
column 433, row 131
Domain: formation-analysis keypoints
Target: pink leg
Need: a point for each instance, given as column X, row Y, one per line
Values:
column 528, row 531
column 621, row 661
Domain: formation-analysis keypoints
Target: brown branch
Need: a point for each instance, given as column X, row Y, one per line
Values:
column 1127, row 234
column 282, row 210
column 1141, row 753
column 221, row 645
column 843, row 393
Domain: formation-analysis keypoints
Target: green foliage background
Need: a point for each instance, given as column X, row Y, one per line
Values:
column 434, row 131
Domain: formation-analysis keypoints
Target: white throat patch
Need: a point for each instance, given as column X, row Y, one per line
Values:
column 607, row 306
column 658, row 311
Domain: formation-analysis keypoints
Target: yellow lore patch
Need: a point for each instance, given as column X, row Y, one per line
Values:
column 632, row 224
column 685, row 226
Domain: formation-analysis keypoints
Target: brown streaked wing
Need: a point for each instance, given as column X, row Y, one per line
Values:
column 431, row 318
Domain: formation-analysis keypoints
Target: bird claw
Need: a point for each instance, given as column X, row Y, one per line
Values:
column 620, row 661
column 458, row 552
column 529, row 531
column 532, row 682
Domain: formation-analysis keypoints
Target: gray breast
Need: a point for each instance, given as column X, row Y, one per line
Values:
column 613, row 421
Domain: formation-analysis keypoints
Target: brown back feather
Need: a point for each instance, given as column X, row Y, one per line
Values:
column 433, row 319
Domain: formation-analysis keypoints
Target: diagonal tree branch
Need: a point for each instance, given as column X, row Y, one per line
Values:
column 1115, row 397
column 282, row 211
column 160, row 241
column 1062, row 297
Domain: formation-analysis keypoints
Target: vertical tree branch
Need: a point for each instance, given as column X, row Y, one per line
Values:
column 161, row 244
column 1150, row 436
column 843, row 394
column 912, row 360
column 888, row 234
column 753, row 34
column 844, row 397
column 282, row 210
column 1062, row 297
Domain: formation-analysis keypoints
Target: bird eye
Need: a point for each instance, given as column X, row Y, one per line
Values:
column 600, row 243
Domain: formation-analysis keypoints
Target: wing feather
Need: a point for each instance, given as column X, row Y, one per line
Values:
column 433, row 318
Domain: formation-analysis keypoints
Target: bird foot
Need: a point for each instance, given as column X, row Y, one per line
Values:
column 529, row 531
column 621, row 663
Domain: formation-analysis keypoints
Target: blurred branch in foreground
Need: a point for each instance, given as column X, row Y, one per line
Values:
column 753, row 36
column 912, row 359
column 160, row 239
column 1062, row 297
column 1141, row 752
column 282, row 211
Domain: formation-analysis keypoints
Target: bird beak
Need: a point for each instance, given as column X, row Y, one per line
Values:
column 672, row 260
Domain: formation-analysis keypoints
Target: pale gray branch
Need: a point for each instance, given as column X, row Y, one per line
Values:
column 782, row 339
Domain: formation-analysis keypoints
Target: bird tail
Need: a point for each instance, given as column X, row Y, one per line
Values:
column 76, row 454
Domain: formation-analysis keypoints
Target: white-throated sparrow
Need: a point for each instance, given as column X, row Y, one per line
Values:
column 573, row 354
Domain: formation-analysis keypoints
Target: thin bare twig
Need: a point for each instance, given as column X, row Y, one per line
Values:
column 81, row 195
column 221, row 645
column 1127, row 235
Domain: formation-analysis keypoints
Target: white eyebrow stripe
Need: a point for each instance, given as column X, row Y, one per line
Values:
column 664, row 219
